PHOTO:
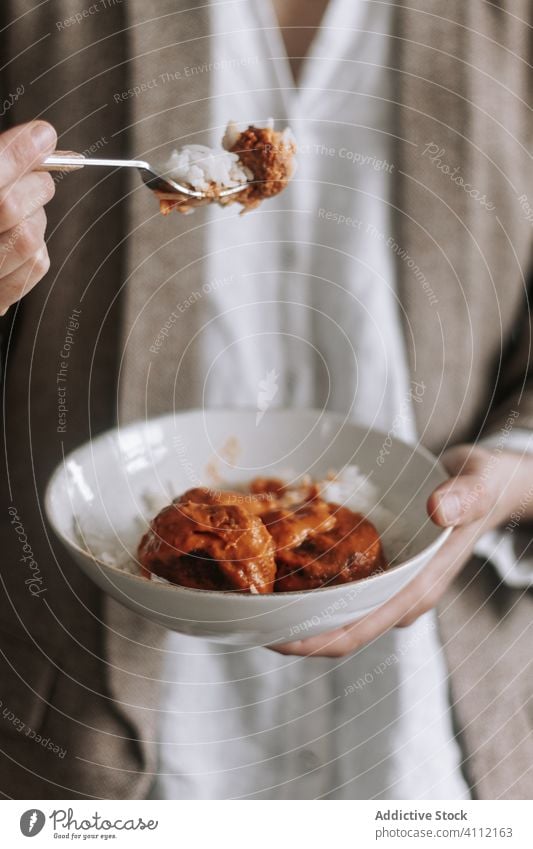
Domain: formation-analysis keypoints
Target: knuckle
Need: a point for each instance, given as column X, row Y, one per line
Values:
column 43, row 190
column 18, row 155
column 25, row 198
column 38, row 220
column 48, row 188
column 21, row 151
column 41, row 263
column 29, row 239
column 10, row 211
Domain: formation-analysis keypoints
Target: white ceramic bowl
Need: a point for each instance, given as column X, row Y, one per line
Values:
column 100, row 491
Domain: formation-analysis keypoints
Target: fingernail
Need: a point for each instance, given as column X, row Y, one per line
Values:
column 450, row 508
column 43, row 136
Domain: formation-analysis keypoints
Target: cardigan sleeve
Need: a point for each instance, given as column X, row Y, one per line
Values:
column 513, row 407
column 510, row 548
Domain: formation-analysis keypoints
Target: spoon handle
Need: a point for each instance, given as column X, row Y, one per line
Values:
column 62, row 160
column 68, row 160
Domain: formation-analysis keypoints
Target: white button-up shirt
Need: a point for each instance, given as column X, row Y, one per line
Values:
column 312, row 310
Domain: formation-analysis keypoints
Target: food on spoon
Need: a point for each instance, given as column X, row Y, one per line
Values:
column 269, row 156
column 273, row 537
column 259, row 159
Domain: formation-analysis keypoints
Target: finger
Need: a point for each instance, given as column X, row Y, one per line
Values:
column 422, row 594
column 18, row 284
column 331, row 644
column 426, row 592
column 351, row 637
column 21, row 199
column 24, row 147
column 461, row 459
column 472, row 491
column 462, row 500
column 21, row 243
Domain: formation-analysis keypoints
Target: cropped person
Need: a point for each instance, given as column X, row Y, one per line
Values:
column 389, row 281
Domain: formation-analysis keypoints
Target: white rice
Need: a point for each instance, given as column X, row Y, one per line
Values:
column 350, row 488
column 200, row 166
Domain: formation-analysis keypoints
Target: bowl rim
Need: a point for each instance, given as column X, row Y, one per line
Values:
column 165, row 586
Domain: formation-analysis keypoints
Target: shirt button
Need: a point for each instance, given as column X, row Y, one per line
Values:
column 308, row 760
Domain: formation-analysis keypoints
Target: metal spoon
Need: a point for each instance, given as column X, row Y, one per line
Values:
column 69, row 161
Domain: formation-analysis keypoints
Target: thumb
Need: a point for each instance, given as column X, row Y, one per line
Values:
column 472, row 491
